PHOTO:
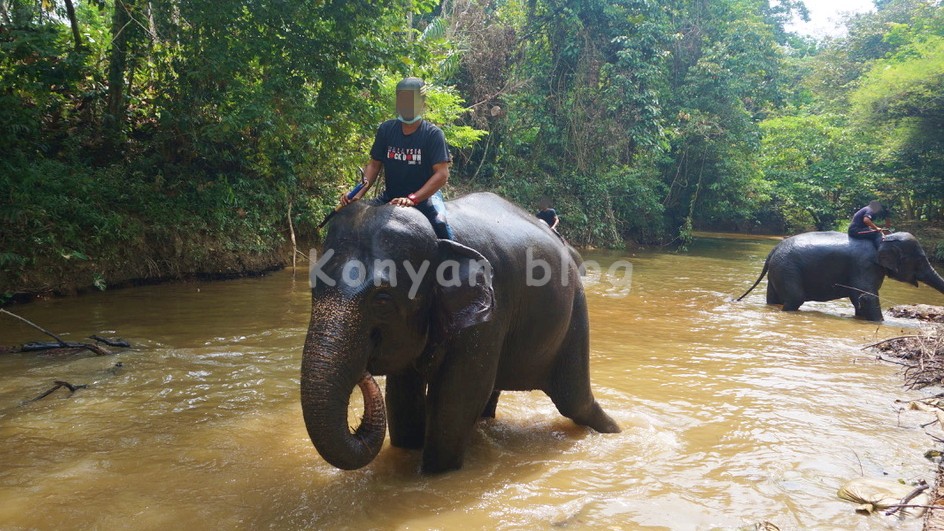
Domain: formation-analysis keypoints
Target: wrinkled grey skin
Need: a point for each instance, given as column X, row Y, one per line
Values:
column 824, row 266
column 450, row 350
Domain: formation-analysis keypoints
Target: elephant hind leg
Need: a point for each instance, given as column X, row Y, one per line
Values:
column 772, row 296
column 569, row 387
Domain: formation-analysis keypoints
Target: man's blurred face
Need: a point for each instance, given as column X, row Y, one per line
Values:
column 407, row 103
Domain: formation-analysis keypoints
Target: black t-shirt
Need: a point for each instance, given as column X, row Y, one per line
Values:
column 408, row 159
column 858, row 220
column 548, row 215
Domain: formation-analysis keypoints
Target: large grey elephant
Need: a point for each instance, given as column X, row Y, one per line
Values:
column 824, row 266
column 448, row 343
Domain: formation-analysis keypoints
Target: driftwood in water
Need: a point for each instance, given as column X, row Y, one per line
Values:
column 59, row 383
column 923, row 312
column 60, row 343
column 921, row 354
column 111, row 342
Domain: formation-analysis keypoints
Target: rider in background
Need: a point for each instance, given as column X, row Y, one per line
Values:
column 548, row 215
column 863, row 226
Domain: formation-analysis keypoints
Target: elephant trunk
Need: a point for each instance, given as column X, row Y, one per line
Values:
column 333, row 362
column 930, row 277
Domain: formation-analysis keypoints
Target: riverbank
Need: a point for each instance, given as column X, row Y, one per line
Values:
column 922, row 355
column 149, row 253
column 179, row 258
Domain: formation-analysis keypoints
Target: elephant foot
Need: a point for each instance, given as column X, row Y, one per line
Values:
column 435, row 463
column 407, row 443
column 601, row 422
column 593, row 417
column 489, row 411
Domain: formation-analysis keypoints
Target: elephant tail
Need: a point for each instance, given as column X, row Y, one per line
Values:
column 761, row 277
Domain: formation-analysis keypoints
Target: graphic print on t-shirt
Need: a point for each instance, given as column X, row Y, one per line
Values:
column 408, row 155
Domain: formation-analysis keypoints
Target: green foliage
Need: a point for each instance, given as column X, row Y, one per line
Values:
column 227, row 116
column 815, row 166
column 180, row 132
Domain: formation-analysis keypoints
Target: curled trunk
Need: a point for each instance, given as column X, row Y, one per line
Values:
column 333, row 362
column 930, row 277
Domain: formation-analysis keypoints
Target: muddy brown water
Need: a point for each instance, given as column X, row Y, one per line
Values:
column 733, row 414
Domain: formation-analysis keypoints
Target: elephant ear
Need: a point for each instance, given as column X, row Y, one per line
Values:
column 889, row 256
column 463, row 291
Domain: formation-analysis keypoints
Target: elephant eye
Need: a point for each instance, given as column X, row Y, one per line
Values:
column 383, row 298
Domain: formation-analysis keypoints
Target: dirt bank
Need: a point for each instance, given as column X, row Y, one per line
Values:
column 179, row 259
column 922, row 354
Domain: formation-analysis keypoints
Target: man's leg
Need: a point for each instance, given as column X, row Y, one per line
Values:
column 876, row 237
column 434, row 209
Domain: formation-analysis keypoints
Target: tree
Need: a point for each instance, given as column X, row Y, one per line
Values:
column 814, row 165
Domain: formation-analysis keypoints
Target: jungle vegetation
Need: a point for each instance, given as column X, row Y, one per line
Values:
column 156, row 138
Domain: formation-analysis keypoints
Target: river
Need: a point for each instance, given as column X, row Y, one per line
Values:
column 732, row 414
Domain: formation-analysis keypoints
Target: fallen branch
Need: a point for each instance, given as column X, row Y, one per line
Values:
column 60, row 343
column 889, row 340
column 72, row 389
column 922, row 486
column 880, row 358
column 34, row 325
column 917, row 507
column 117, row 343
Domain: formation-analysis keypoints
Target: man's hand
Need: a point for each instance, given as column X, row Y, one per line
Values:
column 403, row 201
column 345, row 201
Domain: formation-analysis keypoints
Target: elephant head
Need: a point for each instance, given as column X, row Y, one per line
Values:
column 904, row 260
column 385, row 295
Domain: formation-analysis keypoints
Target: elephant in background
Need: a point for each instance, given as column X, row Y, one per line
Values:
column 447, row 346
column 824, row 266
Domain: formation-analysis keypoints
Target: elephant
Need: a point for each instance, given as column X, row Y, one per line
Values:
column 447, row 345
column 824, row 266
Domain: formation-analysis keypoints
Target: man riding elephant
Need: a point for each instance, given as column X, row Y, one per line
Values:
column 415, row 159
column 863, row 226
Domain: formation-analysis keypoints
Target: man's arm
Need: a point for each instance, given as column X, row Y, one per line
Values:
column 870, row 224
column 438, row 180
column 371, row 171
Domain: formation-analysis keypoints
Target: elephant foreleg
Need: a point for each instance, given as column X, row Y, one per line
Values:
column 489, row 411
column 867, row 307
column 406, row 410
column 456, row 398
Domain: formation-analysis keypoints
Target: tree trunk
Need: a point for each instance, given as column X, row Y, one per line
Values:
column 121, row 29
column 74, row 22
